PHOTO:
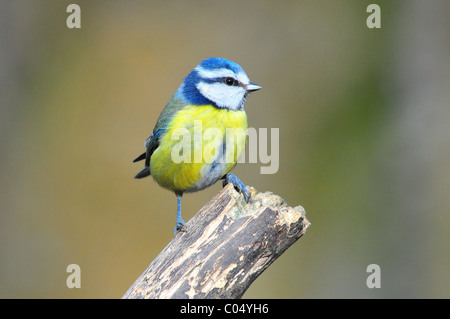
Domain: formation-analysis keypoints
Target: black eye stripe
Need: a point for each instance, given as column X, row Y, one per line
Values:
column 231, row 81
column 223, row 80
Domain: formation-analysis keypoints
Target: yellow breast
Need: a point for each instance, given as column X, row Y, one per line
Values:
column 201, row 144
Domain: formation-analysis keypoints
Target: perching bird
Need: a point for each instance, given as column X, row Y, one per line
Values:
column 209, row 103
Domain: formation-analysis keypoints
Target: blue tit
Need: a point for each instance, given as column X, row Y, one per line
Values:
column 212, row 96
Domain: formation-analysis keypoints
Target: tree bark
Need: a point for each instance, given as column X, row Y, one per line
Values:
column 223, row 248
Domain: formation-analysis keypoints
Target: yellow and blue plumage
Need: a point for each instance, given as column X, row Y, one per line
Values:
column 210, row 99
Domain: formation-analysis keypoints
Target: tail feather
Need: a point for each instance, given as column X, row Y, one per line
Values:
column 139, row 158
column 143, row 173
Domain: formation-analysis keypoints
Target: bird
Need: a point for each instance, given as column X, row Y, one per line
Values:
column 211, row 97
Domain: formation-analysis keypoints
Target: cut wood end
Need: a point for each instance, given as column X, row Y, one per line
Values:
column 259, row 201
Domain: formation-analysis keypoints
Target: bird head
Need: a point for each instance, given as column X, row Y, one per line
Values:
column 219, row 82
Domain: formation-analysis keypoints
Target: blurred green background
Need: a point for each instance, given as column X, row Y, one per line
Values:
column 364, row 119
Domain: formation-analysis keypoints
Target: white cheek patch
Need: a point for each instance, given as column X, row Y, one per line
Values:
column 230, row 97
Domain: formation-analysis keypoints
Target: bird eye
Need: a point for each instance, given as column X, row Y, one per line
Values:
column 230, row 81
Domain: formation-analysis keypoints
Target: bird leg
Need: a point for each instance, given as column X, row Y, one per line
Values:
column 180, row 222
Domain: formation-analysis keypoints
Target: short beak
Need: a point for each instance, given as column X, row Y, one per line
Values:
column 252, row 87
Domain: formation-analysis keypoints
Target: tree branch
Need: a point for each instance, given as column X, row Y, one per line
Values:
column 223, row 248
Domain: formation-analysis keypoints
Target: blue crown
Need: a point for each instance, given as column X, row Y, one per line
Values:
column 219, row 63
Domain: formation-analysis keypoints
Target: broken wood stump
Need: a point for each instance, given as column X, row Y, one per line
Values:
column 223, row 248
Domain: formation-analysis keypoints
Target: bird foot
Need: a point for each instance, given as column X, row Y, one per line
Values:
column 238, row 185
